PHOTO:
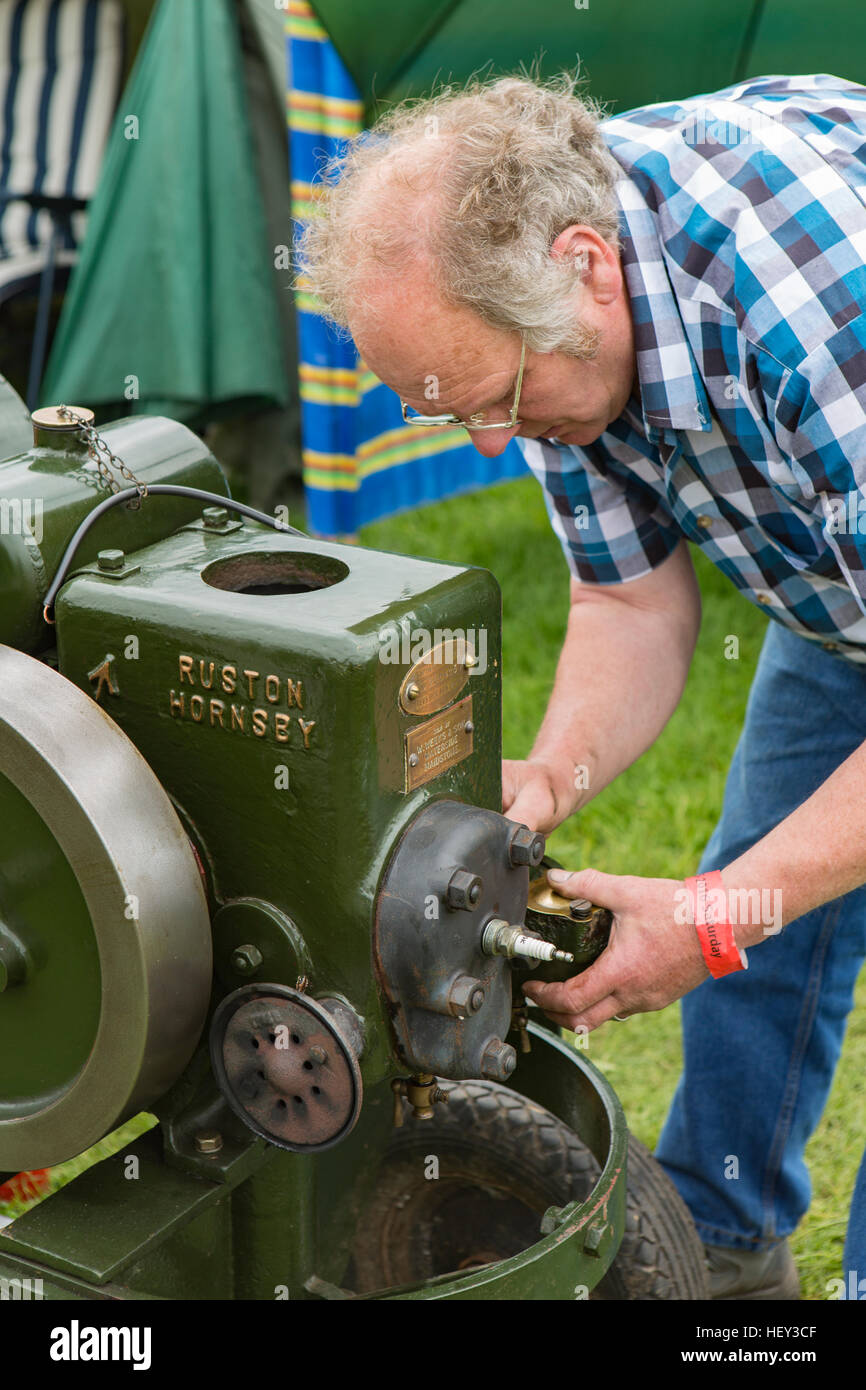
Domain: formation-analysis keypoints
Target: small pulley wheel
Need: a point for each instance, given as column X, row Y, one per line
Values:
column 288, row 1065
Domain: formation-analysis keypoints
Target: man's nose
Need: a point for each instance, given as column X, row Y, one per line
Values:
column 491, row 443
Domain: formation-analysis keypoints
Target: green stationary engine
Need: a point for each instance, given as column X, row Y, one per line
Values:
column 254, row 880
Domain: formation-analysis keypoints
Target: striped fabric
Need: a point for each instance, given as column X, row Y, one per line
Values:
column 360, row 461
column 61, row 63
column 743, row 222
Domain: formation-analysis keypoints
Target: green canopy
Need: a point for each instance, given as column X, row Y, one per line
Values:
column 172, row 307
column 631, row 52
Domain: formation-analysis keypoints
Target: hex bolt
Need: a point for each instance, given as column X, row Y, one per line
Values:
column 214, row 517
column 246, row 959
column 464, row 890
column 111, row 560
column 318, row 1054
column 526, row 847
column 208, row 1141
column 466, row 996
column 550, row 1220
column 594, row 1237
column 498, row 1060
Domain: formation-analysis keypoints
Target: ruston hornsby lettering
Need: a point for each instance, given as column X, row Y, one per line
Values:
column 259, row 703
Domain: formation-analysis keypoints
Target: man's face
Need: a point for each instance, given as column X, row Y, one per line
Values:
column 442, row 359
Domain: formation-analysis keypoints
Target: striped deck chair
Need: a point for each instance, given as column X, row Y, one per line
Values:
column 61, row 65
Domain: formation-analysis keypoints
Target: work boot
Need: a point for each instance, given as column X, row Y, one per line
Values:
column 752, row 1274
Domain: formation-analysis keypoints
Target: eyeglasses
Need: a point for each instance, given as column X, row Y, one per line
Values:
column 476, row 421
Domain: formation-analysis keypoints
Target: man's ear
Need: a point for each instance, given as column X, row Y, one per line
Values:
column 570, row 244
column 595, row 260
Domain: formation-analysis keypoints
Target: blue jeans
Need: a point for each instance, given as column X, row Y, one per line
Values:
column 760, row 1046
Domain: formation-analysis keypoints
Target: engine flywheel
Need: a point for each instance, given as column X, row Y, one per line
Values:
column 105, row 943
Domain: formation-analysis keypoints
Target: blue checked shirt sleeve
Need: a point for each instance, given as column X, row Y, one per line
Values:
column 820, row 423
column 606, row 508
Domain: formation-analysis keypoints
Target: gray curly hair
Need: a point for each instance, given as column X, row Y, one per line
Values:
column 475, row 184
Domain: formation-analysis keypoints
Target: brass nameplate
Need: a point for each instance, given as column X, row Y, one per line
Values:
column 438, row 677
column 442, row 742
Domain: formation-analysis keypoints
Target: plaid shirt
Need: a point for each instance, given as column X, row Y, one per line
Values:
column 743, row 223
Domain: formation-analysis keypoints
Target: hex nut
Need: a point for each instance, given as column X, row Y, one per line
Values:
column 111, row 560
column 214, row 517
column 466, row 996
column 246, row 959
column 526, row 847
column 208, row 1141
column 464, row 890
column 498, row 1061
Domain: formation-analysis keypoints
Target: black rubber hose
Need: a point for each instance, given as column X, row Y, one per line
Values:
column 153, row 490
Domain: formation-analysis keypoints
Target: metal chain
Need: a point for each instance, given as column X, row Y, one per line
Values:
column 102, row 456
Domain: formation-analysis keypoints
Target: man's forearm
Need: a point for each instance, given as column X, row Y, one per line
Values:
column 621, row 672
column 815, row 854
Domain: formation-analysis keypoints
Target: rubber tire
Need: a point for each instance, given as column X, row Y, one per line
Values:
column 503, row 1160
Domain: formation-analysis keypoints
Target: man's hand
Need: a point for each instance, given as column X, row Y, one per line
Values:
column 532, row 795
column 651, row 959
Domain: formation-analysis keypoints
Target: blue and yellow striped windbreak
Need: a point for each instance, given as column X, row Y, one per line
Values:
column 360, row 461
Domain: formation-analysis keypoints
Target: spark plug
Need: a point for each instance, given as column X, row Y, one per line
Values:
column 500, row 938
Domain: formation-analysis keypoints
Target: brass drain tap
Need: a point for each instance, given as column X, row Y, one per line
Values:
column 421, row 1091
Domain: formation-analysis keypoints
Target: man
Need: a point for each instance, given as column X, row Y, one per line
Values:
column 667, row 310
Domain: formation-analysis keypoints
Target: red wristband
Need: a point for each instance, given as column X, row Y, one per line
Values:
column 716, row 935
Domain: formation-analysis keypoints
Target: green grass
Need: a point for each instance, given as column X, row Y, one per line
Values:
column 655, row 819
column 62, row 1173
